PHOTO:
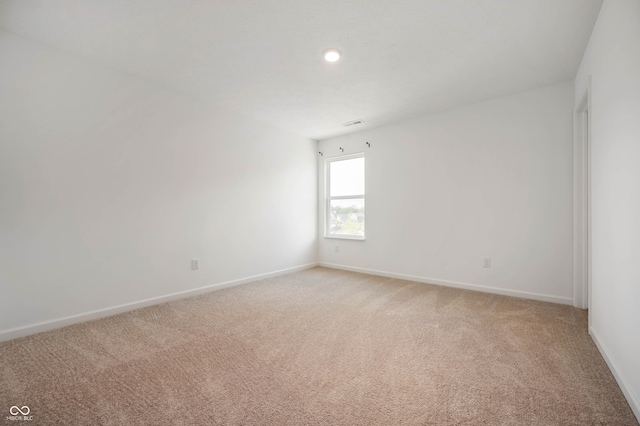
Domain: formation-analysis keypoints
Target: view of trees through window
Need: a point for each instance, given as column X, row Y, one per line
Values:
column 347, row 217
column 346, row 197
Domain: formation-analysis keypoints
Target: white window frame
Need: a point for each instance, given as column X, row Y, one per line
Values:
column 328, row 198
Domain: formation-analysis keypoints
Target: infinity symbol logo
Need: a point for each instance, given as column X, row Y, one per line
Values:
column 15, row 410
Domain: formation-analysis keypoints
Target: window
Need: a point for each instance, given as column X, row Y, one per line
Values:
column 344, row 208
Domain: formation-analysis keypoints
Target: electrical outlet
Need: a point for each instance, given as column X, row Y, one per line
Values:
column 195, row 264
column 486, row 262
column 337, row 249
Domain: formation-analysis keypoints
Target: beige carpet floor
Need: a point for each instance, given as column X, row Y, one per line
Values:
column 319, row 347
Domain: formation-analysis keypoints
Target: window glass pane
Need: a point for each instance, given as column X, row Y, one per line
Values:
column 346, row 217
column 347, row 177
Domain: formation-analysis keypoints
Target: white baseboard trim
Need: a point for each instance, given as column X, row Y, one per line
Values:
column 14, row 333
column 632, row 399
column 465, row 286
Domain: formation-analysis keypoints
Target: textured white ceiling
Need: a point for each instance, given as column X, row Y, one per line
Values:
column 262, row 58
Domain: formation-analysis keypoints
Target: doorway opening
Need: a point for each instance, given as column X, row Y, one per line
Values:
column 582, row 204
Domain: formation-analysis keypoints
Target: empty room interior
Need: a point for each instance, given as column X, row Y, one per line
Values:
column 320, row 212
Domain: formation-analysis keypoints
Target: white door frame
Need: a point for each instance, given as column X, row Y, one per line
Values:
column 582, row 203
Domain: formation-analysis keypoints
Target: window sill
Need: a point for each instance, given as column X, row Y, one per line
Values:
column 345, row 237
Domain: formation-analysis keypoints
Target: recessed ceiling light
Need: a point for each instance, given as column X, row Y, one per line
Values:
column 331, row 55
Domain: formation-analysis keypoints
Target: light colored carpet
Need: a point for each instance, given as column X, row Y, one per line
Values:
column 319, row 347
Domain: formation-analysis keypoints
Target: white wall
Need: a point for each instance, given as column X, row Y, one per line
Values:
column 109, row 185
column 443, row 191
column 612, row 59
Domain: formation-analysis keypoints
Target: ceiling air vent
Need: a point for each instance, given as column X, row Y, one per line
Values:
column 352, row 123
